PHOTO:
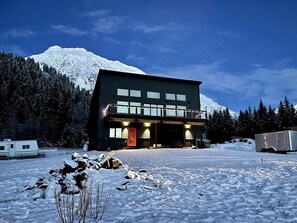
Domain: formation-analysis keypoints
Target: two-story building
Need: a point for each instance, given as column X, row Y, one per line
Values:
column 141, row 111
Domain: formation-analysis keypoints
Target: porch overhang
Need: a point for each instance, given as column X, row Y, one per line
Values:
column 135, row 118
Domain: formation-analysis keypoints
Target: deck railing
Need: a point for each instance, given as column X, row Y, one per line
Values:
column 155, row 111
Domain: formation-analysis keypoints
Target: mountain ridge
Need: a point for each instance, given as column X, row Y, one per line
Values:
column 82, row 67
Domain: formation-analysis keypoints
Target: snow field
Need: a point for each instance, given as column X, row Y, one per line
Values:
column 179, row 185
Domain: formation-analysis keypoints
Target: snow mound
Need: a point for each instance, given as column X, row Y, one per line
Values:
column 237, row 144
column 73, row 176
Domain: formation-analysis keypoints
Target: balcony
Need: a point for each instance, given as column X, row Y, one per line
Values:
column 122, row 113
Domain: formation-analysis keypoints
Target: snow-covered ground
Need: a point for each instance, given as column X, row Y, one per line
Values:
column 226, row 183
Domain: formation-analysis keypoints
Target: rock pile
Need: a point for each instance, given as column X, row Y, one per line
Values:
column 72, row 177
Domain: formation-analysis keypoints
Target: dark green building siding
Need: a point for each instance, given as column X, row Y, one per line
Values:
column 105, row 93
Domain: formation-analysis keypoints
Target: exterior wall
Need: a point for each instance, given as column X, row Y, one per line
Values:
column 105, row 93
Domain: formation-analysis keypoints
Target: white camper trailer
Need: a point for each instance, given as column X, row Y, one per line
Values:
column 283, row 141
column 18, row 149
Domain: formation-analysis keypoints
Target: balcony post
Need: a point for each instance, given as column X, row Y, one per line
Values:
column 156, row 134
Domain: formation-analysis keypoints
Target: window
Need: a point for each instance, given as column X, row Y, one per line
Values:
column 170, row 96
column 160, row 110
column 123, row 92
column 112, row 133
column 115, row 133
column 2, row 147
column 181, row 110
column 136, row 109
column 26, row 146
column 154, row 110
column 154, row 95
column 118, row 133
column 135, row 93
column 147, row 110
column 122, row 107
column 170, row 110
column 181, row 97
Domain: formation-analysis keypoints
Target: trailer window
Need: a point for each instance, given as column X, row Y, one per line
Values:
column 26, row 146
column 2, row 147
column 11, row 146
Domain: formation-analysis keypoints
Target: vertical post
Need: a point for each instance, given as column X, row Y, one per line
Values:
column 184, row 131
column 156, row 134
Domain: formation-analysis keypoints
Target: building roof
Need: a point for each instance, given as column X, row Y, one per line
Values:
column 149, row 77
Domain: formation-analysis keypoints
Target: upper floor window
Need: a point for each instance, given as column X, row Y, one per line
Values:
column 181, row 97
column 123, row 92
column 152, row 109
column 135, row 108
column 122, row 107
column 170, row 110
column 170, row 96
column 181, row 111
column 135, row 93
column 154, row 95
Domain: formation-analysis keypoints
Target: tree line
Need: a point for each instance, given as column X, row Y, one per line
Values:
column 40, row 104
column 223, row 126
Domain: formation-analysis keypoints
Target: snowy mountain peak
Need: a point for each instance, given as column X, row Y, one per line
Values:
column 56, row 47
column 83, row 66
column 210, row 105
column 80, row 65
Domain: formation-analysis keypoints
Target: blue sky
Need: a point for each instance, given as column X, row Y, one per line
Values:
column 242, row 51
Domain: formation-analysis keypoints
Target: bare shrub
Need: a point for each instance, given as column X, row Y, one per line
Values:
column 69, row 208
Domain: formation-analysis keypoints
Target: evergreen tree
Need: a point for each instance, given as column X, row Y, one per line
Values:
column 40, row 104
column 286, row 114
column 221, row 126
column 272, row 122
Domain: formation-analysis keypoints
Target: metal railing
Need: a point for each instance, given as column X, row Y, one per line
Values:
column 154, row 111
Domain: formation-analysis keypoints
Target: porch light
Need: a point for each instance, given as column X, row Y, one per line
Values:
column 147, row 124
column 187, row 126
column 125, row 123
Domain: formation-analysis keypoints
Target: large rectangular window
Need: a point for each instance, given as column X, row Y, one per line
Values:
column 135, row 93
column 170, row 96
column 170, row 110
column 153, row 110
column 147, row 109
column 181, row 97
column 135, row 108
column 181, row 110
column 154, row 95
column 122, row 107
column 122, row 92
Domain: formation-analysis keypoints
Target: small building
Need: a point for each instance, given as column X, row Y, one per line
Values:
column 142, row 111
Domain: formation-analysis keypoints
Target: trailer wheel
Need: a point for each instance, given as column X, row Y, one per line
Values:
column 263, row 150
column 271, row 150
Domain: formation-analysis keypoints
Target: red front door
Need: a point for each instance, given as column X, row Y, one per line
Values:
column 131, row 137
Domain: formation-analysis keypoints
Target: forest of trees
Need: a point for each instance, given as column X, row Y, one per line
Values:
column 40, row 104
column 222, row 126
